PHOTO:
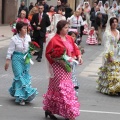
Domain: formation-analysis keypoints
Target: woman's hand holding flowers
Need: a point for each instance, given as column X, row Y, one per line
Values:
column 62, row 62
column 59, row 55
column 111, row 59
column 32, row 52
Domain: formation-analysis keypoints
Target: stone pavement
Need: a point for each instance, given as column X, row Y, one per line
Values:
column 94, row 106
column 5, row 35
column 5, row 31
column 92, row 69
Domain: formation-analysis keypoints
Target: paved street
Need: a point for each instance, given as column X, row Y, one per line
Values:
column 94, row 105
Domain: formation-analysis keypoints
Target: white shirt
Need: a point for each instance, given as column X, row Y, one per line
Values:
column 76, row 22
column 18, row 44
column 56, row 19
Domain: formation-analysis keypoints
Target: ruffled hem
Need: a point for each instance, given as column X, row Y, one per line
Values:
column 109, row 76
column 22, row 90
column 63, row 102
column 107, row 89
column 91, row 42
column 23, row 94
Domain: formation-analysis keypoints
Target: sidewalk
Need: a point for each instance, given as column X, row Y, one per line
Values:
column 5, row 32
column 92, row 69
column 5, row 35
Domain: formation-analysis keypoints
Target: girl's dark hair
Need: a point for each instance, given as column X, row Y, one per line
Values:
column 71, row 32
column 50, row 7
column 19, row 26
column 60, row 25
column 61, row 9
column 112, row 20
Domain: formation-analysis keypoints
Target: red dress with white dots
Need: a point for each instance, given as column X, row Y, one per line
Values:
column 60, row 98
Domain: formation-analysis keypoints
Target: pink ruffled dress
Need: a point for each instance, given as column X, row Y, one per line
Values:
column 25, row 21
column 60, row 98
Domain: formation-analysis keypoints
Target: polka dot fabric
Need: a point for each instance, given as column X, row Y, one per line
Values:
column 60, row 98
column 91, row 40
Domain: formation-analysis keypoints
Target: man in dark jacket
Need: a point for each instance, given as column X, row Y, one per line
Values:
column 39, row 23
column 101, row 20
column 93, row 17
column 68, row 10
column 46, row 6
column 93, row 8
column 58, row 6
column 31, row 6
column 23, row 7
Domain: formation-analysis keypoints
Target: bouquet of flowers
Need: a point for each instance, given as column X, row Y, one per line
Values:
column 13, row 26
column 60, row 54
column 109, row 56
column 33, row 46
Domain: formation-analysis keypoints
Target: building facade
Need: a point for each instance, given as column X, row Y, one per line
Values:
column 27, row 2
column 9, row 8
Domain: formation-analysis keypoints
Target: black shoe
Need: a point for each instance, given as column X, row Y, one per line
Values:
column 39, row 60
column 66, row 118
column 76, row 87
column 47, row 113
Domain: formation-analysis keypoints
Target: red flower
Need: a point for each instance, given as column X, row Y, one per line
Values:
column 36, row 44
column 57, row 52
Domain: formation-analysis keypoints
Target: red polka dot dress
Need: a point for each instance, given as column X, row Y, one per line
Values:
column 60, row 98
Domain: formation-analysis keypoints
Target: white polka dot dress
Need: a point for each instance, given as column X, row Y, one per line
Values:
column 60, row 98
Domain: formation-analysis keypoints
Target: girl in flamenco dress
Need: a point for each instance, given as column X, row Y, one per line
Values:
column 74, row 34
column 91, row 39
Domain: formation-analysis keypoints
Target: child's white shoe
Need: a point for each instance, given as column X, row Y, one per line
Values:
column 22, row 103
